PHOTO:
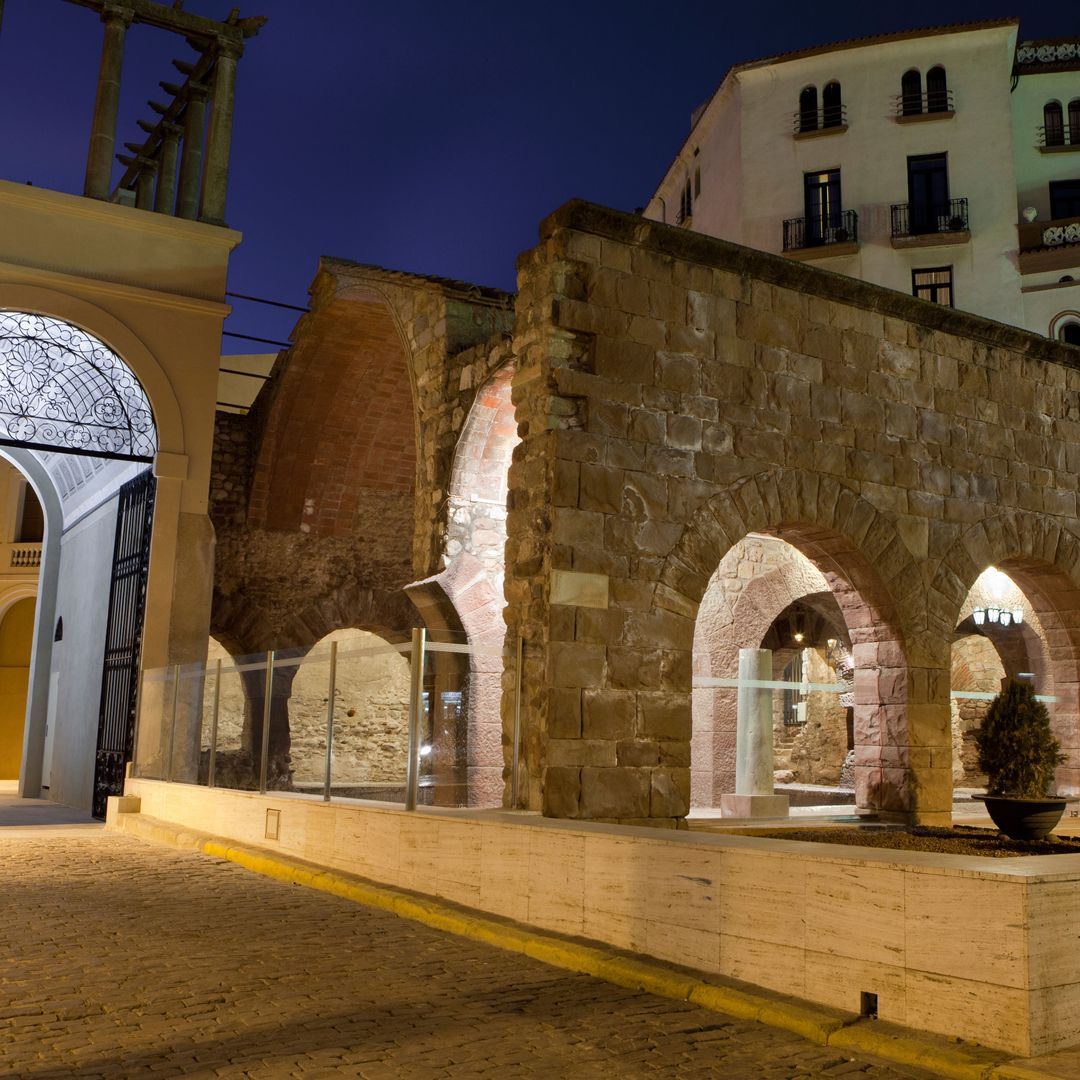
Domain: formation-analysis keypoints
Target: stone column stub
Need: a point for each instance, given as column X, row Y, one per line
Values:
column 191, row 157
column 754, row 795
column 219, row 135
column 117, row 18
column 165, row 196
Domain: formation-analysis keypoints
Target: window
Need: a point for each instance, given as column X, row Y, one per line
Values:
column 832, row 112
column 911, row 93
column 686, row 202
column 1053, row 124
column 1064, row 198
column 934, row 285
column 808, row 109
column 1074, row 121
column 822, row 199
column 697, row 181
column 928, row 192
column 937, row 90
column 31, row 525
column 1070, row 333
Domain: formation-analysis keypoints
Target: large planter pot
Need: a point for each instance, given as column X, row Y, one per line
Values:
column 1024, row 819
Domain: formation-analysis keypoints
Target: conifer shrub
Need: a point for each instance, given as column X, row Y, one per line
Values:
column 1017, row 749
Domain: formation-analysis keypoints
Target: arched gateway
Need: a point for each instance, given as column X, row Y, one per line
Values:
column 72, row 407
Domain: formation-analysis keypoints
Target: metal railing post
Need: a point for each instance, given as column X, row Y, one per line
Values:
column 416, row 707
column 214, row 727
column 330, row 721
column 172, row 725
column 268, row 694
column 515, row 760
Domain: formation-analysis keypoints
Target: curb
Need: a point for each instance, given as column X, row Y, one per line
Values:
column 816, row 1023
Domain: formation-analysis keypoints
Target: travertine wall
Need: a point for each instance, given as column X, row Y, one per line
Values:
column 675, row 393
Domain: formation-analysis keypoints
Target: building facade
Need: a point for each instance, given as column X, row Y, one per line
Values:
column 943, row 163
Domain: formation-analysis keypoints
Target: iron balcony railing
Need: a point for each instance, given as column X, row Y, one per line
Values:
column 915, row 219
column 1058, row 135
column 933, row 101
column 814, row 232
column 805, row 121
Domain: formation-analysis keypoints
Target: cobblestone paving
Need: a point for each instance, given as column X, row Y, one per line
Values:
column 122, row 959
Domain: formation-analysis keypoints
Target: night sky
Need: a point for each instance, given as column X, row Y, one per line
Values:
column 425, row 136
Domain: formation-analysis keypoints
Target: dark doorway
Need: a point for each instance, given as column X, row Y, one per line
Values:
column 822, row 195
column 1064, row 198
column 928, row 192
column 123, row 638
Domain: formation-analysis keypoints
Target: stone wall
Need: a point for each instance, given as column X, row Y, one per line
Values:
column 674, row 394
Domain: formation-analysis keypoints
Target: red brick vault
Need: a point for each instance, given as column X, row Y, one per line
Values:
column 676, row 393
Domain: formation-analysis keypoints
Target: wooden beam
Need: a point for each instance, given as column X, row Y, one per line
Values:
column 182, row 22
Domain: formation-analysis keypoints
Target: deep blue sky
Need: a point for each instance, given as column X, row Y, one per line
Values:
column 426, row 136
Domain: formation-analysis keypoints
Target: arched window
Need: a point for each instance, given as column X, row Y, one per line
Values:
column 1070, row 333
column 911, row 93
column 832, row 112
column 1074, row 121
column 1053, row 124
column 937, row 90
column 808, row 109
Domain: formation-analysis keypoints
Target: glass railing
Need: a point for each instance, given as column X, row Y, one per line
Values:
column 410, row 722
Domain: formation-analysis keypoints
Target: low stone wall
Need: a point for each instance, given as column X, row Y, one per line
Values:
column 967, row 947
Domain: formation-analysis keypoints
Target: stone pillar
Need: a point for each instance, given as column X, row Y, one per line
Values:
column 219, row 136
column 144, row 184
column 187, row 204
column 106, row 104
column 165, row 198
column 754, row 795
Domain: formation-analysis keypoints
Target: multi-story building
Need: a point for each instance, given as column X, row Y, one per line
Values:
column 941, row 162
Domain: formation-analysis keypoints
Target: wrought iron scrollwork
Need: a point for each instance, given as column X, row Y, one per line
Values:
column 62, row 389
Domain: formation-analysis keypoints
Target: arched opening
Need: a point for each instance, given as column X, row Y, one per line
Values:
column 911, row 103
column 472, row 582
column 16, row 646
column 371, row 717
column 1017, row 622
column 77, row 424
column 1069, row 332
column 838, row 717
column 937, row 90
column 1074, row 121
column 832, row 109
column 1053, row 124
column 808, row 112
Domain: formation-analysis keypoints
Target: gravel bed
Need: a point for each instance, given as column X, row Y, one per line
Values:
column 961, row 840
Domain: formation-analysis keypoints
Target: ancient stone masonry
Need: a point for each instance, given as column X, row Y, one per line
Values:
column 675, row 393
column 331, row 497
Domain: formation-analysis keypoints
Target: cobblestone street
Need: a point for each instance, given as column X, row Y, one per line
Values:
column 124, row 959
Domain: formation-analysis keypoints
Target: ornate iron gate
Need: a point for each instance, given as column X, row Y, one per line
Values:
column 123, row 638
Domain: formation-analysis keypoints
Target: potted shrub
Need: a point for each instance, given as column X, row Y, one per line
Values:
column 1018, row 753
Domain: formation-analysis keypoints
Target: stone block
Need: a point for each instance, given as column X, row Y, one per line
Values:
column 608, row 714
column 638, row 752
column 562, row 792
column 574, row 664
column 754, row 806
column 621, row 792
column 665, row 715
column 599, row 753
column 669, row 792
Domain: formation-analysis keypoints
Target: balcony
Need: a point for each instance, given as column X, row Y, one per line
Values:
column 1058, row 138
column 933, row 105
column 811, row 123
column 811, row 239
column 1049, row 245
column 20, row 559
column 930, row 226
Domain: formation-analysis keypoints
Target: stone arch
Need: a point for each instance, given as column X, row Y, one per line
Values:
column 1043, row 559
column 371, row 712
column 876, row 585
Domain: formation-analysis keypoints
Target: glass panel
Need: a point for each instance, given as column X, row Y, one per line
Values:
column 309, row 681
column 371, row 718
column 233, row 764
